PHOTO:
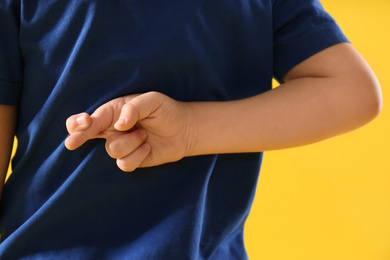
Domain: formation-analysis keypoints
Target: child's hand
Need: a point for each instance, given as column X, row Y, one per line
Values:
column 140, row 130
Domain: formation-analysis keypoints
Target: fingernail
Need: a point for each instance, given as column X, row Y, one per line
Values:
column 122, row 121
column 80, row 120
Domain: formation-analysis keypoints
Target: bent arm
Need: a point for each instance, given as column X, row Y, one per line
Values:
column 331, row 93
column 7, row 132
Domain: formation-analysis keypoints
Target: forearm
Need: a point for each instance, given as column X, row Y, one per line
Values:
column 302, row 111
column 7, row 129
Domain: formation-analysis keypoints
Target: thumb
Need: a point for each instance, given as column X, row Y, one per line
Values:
column 138, row 108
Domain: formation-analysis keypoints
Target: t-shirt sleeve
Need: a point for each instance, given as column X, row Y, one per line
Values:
column 10, row 56
column 301, row 28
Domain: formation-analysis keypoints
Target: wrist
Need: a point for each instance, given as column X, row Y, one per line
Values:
column 192, row 129
column 209, row 128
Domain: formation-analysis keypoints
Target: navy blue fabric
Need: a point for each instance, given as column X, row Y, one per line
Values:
column 62, row 57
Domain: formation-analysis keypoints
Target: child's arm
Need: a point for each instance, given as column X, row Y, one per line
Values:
column 7, row 132
column 332, row 92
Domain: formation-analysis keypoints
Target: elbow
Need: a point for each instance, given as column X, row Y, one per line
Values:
column 369, row 99
column 377, row 100
column 374, row 99
column 359, row 100
column 376, row 106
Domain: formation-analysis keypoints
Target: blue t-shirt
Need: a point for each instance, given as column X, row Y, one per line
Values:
column 62, row 57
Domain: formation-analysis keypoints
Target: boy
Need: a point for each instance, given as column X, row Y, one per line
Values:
column 178, row 93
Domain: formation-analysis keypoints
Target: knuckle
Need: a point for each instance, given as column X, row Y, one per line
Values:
column 129, row 108
column 153, row 93
column 156, row 96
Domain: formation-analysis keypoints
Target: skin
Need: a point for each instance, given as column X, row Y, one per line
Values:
column 331, row 93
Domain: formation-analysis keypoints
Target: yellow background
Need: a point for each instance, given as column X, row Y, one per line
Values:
column 331, row 200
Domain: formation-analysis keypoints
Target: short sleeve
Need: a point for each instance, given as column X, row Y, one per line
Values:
column 301, row 28
column 10, row 56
